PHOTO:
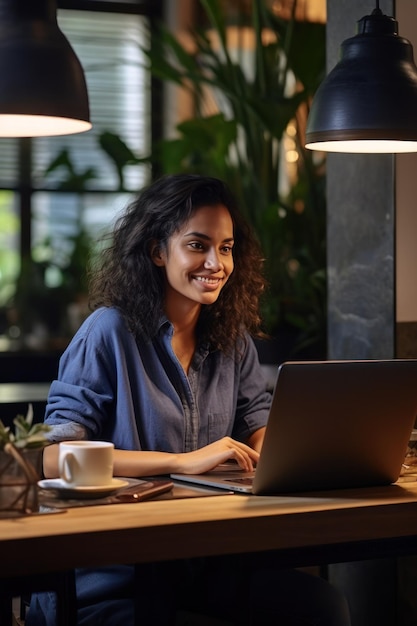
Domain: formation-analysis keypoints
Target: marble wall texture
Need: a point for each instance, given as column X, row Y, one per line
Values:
column 361, row 256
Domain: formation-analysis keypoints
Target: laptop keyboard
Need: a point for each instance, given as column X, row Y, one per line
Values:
column 240, row 481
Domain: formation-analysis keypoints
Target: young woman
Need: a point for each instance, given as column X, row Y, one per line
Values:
column 165, row 367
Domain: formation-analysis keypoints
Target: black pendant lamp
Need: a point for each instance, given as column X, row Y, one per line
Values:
column 368, row 102
column 42, row 85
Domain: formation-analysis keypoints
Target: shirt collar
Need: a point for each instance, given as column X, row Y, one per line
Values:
column 165, row 328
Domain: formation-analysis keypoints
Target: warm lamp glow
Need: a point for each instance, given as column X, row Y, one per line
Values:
column 40, row 126
column 381, row 146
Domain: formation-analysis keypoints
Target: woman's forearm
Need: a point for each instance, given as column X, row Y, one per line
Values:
column 143, row 463
column 132, row 463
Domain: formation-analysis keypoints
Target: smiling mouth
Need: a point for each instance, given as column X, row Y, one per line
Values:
column 207, row 280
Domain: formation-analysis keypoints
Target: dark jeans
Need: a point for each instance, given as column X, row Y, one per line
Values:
column 241, row 590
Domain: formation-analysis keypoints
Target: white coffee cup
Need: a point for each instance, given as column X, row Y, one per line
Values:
column 86, row 463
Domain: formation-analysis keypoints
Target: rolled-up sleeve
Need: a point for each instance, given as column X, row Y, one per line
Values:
column 92, row 389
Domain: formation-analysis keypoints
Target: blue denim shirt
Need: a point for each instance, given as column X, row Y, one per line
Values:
column 136, row 394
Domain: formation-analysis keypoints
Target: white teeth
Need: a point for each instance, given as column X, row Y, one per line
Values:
column 204, row 279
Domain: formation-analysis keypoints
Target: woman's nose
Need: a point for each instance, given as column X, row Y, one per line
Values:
column 213, row 261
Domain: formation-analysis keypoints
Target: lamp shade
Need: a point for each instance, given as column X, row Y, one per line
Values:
column 368, row 102
column 42, row 85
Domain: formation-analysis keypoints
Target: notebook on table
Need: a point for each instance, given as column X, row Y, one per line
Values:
column 332, row 425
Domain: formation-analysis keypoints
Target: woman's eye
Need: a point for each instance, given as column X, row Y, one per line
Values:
column 195, row 245
column 200, row 247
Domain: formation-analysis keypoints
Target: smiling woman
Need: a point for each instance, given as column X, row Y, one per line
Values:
column 165, row 368
column 197, row 263
column 187, row 226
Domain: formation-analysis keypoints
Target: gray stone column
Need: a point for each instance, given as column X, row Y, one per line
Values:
column 361, row 296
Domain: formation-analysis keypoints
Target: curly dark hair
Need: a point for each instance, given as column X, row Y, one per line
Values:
column 126, row 277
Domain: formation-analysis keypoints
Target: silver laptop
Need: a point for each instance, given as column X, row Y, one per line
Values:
column 332, row 425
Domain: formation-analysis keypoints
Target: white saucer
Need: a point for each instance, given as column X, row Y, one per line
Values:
column 65, row 491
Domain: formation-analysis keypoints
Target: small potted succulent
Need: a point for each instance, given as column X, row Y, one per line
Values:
column 20, row 464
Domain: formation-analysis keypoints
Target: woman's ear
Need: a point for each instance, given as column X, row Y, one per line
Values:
column 156, row 255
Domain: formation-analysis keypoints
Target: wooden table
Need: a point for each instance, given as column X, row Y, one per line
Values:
column 306, row 530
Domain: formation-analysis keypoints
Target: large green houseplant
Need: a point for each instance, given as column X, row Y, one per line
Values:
column 242, row 143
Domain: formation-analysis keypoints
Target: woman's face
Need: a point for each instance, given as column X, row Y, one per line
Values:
column 199, row 257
